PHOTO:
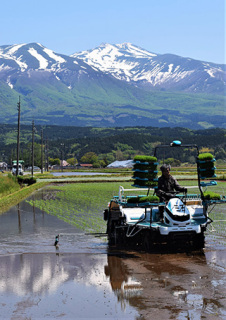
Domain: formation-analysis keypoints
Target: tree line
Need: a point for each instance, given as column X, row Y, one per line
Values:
column 101, row 146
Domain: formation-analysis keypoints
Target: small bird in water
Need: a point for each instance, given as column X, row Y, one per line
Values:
column 56, row 241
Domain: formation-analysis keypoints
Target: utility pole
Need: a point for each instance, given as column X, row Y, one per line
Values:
column 18, row 138
column 32, row 149
column 42, row 151
column 47, row 155
column 62, row 157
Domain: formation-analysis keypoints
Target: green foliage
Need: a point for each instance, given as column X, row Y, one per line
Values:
column 89, row 157
column 206, row 165
column 110, row 144
column 55, row 161
column 26, row 180
column 205, row 156
column 151, row 199
column 104, row 101
column 209, row 195
column 220, row 153
column 72, row 161
column 142, row 158
column 8, row 185
column 173, row 162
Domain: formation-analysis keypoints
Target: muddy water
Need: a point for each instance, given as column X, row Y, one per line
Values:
column 84, row 279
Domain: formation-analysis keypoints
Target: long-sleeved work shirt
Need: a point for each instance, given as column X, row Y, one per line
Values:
column 167, row 186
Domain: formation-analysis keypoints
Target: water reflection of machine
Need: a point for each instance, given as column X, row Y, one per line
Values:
column 152, row 284
column 123, row 284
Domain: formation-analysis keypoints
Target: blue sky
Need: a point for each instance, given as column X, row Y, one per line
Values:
column 189, row 28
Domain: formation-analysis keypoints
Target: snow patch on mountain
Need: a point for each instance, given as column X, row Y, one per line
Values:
column 14, row 49
column 126, row 62
column 23, row 66
column 43, row 63
column 8, row 53
column 144, row 69
column 54, row 56
column 9, row 83
column 115, row 59
column 212, row 71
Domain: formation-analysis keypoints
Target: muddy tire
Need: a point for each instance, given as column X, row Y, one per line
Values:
column 147, row 242
column 199, row 242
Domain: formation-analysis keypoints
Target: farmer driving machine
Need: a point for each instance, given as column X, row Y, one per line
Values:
column 143, row 221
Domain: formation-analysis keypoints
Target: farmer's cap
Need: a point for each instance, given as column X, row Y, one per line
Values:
column 165, row 167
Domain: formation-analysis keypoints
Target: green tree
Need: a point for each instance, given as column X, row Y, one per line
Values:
column 72, row 161
column 173, row 162
column 89, row 157
column 55, row 161
column 220, row 153
column 119, row 155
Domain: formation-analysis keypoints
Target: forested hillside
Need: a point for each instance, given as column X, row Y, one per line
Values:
column 101, row 146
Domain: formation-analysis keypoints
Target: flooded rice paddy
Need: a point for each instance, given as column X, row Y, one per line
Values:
column 85, row 279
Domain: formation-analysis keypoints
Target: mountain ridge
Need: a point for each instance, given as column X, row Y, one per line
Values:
column 60, row 89
column 149, row 70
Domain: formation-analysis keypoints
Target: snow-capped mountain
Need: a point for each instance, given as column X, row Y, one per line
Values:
column 105, row 87
column 33, row 59
column 32, row 56
column 125, row 62
column 145, row 69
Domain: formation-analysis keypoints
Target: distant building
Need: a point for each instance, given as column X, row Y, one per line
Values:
column 64, row 163
column 121, row 164
column 85, row 165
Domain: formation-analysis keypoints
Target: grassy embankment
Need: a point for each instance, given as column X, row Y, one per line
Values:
column 12, row 193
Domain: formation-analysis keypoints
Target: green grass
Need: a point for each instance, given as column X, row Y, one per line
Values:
column 8, row 185
column 16, row 197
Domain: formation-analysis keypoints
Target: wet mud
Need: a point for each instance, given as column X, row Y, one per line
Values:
column 85, row 279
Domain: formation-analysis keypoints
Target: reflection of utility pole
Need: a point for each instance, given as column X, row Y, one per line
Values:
column 18, row 139
column 42, row 151
column 32, row 149
column 34, row 212
column 19, row 220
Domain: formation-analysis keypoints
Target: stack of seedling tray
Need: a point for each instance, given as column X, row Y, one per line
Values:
column 145, row 172
column 206, row 166
column 206, row 169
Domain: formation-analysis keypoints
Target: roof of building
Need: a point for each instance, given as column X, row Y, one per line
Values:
column 121, row 164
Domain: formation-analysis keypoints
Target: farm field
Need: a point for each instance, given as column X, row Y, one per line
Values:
column 39, row 281
column 82, row 204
